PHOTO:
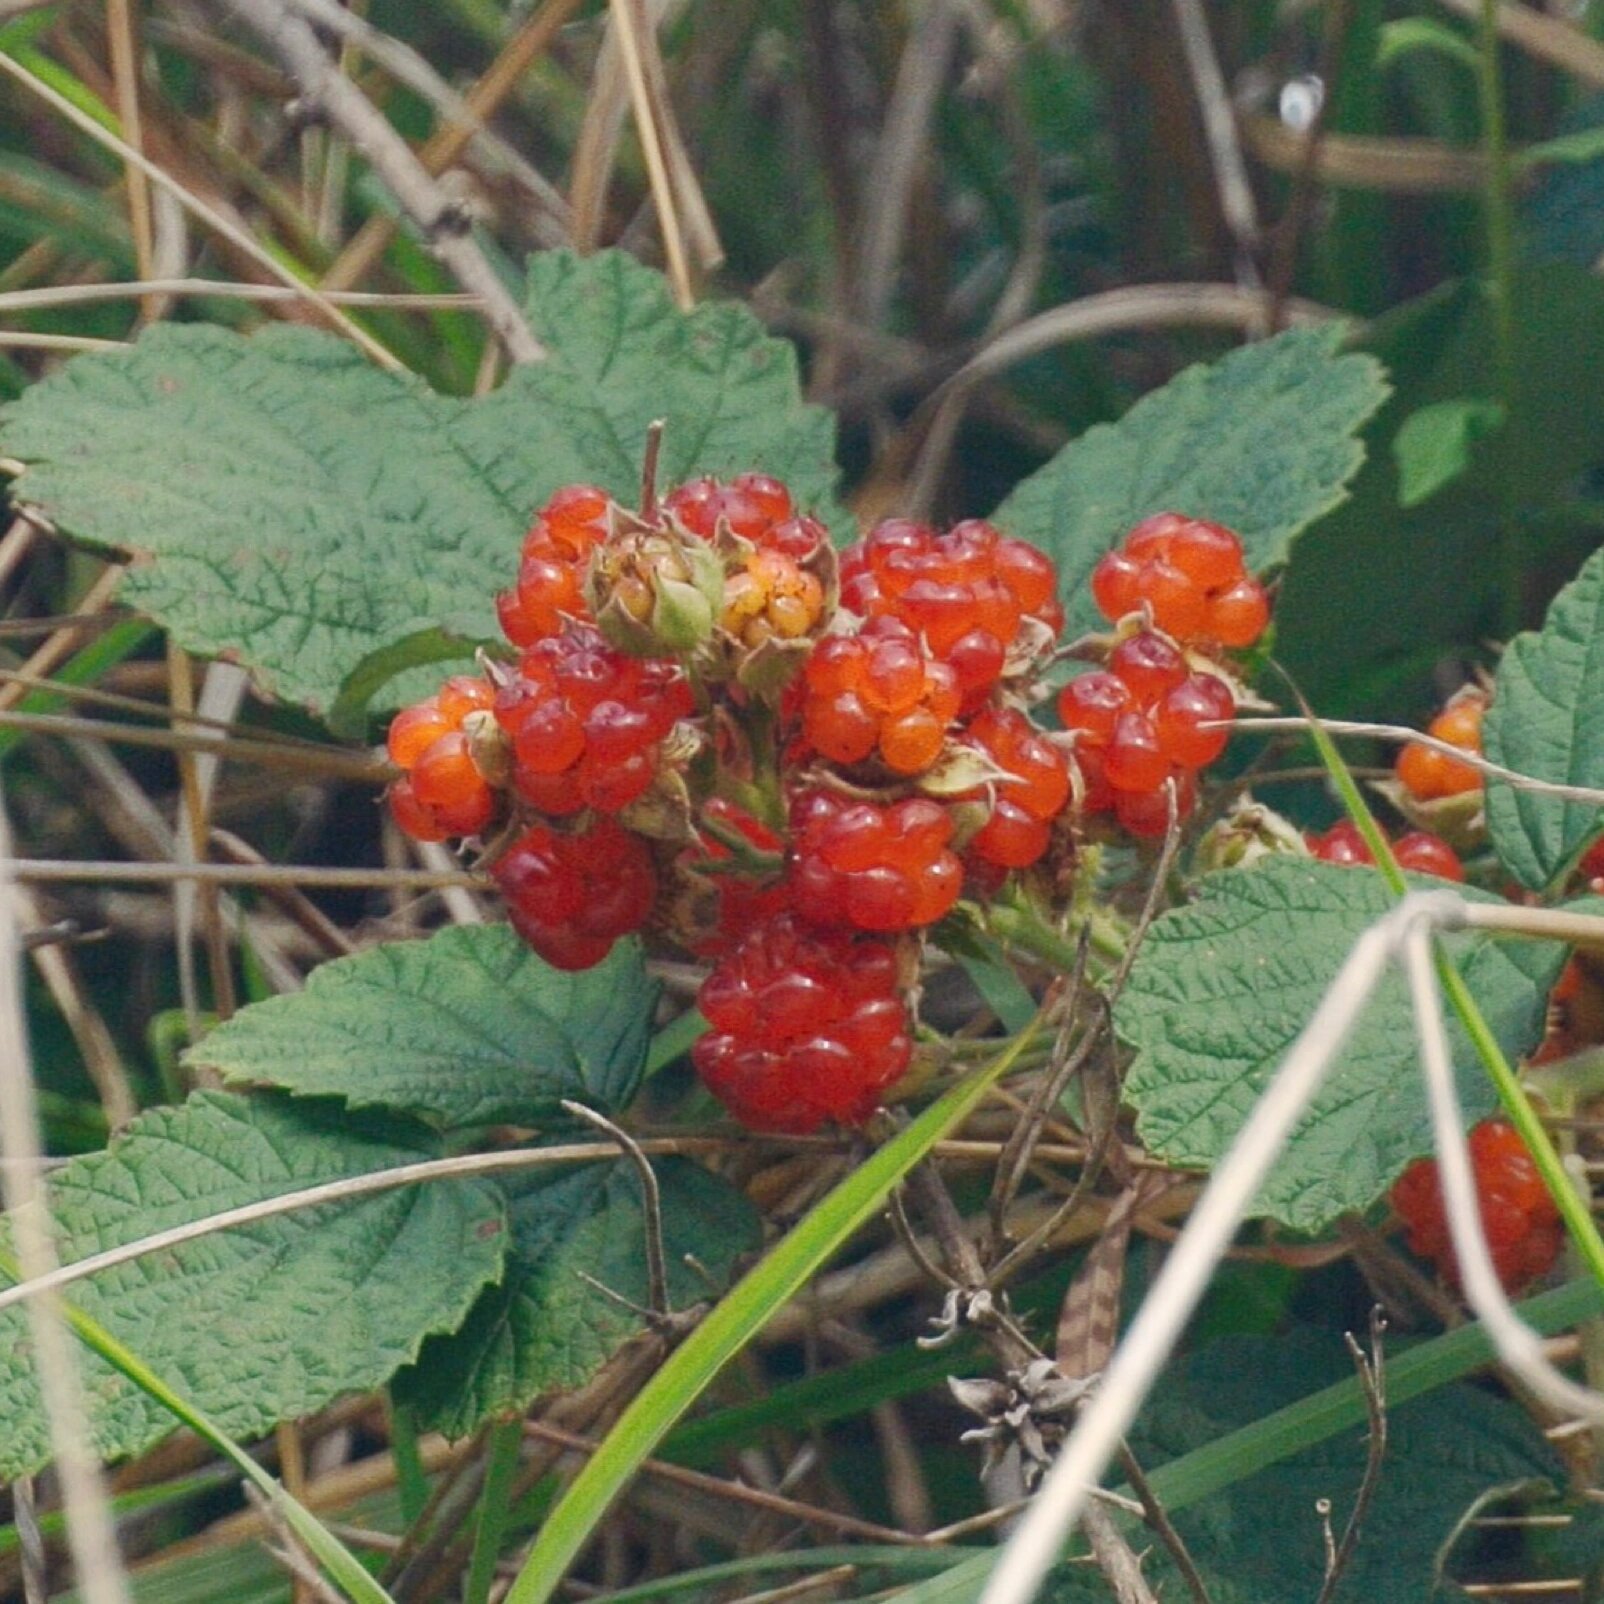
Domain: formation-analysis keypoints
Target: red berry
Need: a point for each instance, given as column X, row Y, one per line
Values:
column 586, row 722
column 1149, row 664
column 1019, row 827
column 742, row 901
column 1427, row 774
column 1426, row 853
column 807, row 1026
column 870, row 866
column 1090, row 706
column 967, row 592
column 445, row 792
column 1134, row 760
column 1342, row 844
column 1518, row 1216
column 877, row 692
column 572, row 896
column 1180, row 715
column 550, row 585
column 1147, row 813
column 1190, row 575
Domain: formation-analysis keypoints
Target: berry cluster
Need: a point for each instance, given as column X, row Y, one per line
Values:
column 970, row 593
column 1189, row 579
column 1518, row 1216
column 1139, row 725
column 807, row 1025
column 792, row 763
column 1429, row 775
column 1419, row 850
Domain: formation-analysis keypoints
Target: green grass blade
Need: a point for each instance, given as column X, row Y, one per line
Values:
column 98, row 658
column 733, row 1324
column 501, row 1470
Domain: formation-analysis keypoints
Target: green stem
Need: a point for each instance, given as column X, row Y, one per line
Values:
column 1578, row 1217
column 412, row 1482
column 1018, row 924
column 501, row 1467
column 1500, row 222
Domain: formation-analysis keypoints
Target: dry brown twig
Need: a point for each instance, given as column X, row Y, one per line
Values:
column 441, row 218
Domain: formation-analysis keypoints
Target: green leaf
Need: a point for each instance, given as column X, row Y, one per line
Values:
column 1262, row 1538
column 296, row 507
column 1547, row 720
column 1433, row 446
column 1222, row 988
column 1262, row 441
column 468, row 1027
column 545, row 1327
column 270, row 1321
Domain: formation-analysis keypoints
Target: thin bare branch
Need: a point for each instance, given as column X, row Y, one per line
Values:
column 207, row 214
column 1401, row 734
column 1372, row 1373
column 91, row 1534
column 440, row 217
column 316, row 878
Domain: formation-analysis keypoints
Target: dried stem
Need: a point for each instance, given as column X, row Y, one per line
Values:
column 448, row 231
column 1372, row 1374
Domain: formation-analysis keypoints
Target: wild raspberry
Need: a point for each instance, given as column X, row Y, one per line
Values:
column 807, row 1026
column 1419, row 851
column 1428, row 775
column 1141, row 723
column 571, row 896
column 1019, row 827
column 441, row 743
column 551, row 576
column 1518, row 1216
column 586, row 722
column 969, row 592
column 877, row 693
column 1591, row 866
column 1190, row 575
column 871, row 867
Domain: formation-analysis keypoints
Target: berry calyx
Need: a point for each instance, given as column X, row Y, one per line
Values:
column 1518, row 1216
column 807, row 1026
column 1428, row 775
column 1190, row 576
column 572, row 895
column 867, row 866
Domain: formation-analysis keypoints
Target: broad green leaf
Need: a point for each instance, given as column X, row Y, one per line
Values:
column 270, row 1321
column 1262, row 1539
column 1222, row 988
column 1547, row 720
column 1263, row 440
column 468, row 1027
column 546, row 1327
column 293, row 506
column 1433, row 446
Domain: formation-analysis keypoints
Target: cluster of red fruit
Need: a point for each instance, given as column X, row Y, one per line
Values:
column 787, row 760
column 1518, row 1216
column 1147, row 722
column 1429, row 775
